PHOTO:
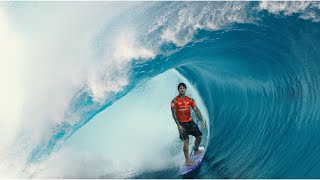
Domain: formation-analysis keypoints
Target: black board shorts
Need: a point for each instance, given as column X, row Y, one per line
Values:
column 190, row 128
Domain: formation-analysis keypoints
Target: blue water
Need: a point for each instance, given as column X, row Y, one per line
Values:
column 256, row 72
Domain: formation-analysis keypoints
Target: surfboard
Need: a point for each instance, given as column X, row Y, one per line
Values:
column 197, row 159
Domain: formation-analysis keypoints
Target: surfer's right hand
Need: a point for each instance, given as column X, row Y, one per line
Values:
column 204, row 124
column 180, row 128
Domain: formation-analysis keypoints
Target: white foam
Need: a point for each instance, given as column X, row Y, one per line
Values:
column 106, row 79
column 179, row 24
column 62, row 60
column 127, row 48
column 180, row 21
column 169, row 35
column 288, row 8
column 45, row 52
column 112, row 75
column 12, row 51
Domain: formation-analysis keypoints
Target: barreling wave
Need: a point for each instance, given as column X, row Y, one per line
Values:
column 255, row 66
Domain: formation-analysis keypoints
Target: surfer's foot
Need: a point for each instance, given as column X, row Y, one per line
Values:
column 198, row 151
column 189, row 163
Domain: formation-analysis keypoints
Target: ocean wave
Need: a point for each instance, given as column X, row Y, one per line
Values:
column 254, row 64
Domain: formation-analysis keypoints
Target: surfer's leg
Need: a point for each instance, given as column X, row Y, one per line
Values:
column 197, row 143
column 185, row 149
column 194, row 131
column 186, row 152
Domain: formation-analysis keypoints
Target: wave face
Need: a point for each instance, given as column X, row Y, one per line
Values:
column 255, row 66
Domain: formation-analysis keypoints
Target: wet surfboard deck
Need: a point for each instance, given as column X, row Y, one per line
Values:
column 197, row 159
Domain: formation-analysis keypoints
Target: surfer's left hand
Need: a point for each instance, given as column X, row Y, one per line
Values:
column 204, row 124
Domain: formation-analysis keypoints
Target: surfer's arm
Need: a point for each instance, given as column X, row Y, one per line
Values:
column 197, row 111
column 174, row 111
column 174, row 115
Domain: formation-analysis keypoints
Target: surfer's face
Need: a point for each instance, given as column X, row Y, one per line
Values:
column 182, row 90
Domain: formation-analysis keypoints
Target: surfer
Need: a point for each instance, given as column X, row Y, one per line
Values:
column 180, row 107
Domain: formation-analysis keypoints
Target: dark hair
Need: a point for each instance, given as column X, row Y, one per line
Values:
column 182, row 84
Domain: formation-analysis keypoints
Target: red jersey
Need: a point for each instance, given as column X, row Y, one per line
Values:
column 183, row 108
